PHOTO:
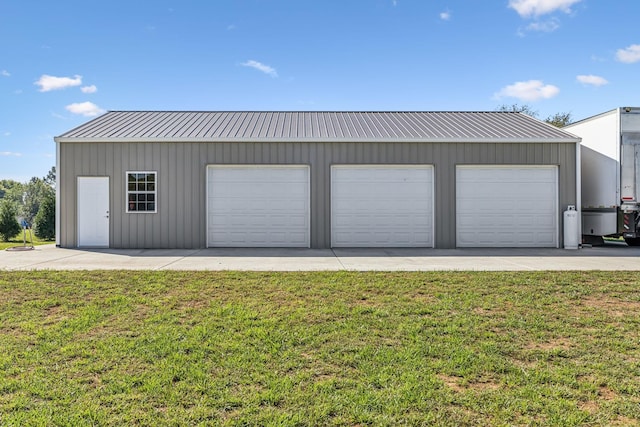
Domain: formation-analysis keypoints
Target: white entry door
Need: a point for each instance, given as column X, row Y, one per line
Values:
column 93, row 212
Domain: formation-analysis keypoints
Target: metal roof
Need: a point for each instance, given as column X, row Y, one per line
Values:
column 314, row 126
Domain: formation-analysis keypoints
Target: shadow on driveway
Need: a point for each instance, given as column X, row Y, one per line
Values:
column 609, row 249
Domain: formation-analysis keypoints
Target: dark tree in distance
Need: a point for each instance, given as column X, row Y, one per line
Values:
column 516, row 108
column 50, row 179
column 558, row 119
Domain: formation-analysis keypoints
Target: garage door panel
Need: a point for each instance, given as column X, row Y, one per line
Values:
column 382, row 239
column 229, row 206
column 382, row 206
column 255, row 221
column 258, row 206
column 508, row 239
column 360, row 202
column 506, row 206
column 548, row 239
column 543, row 221
column 258, row 238
column 387, row 192
column 381, row 210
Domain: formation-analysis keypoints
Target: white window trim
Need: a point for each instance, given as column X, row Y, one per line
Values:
column 155, row 192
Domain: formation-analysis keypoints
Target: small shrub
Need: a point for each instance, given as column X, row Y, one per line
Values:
column 9, row 226
column 45, row 220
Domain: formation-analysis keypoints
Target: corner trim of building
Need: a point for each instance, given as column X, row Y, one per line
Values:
column 57, row 225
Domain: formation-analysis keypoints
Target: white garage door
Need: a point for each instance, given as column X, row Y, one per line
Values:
column 506, row 206
column 381, row 206
column 258, row 206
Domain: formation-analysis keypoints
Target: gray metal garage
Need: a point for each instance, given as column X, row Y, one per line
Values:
column 314, row 179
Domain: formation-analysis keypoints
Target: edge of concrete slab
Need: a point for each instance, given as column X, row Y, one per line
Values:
column 49, row 257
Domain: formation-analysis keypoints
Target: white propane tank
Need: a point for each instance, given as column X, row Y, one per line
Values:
column 571, row 228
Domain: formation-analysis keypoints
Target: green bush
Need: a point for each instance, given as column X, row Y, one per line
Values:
column 9, row 226
column 45, row 220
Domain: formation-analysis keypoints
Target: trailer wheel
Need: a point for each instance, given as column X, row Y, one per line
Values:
column 632, row 241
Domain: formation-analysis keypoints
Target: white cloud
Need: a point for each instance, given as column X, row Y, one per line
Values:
column 10, row 154
column 445, row 16
column 89, row 89
column 5, row 73
column 592, row 80
column 48, row 83
column 261, row 67
column 528, row 8
column 87, row 109
column 544, row 26
column 531, row 90
column 629, row 55
column 7, row 134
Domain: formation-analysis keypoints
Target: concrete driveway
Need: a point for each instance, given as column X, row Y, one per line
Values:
column 48, row 257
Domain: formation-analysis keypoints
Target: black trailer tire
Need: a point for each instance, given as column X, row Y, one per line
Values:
column 632, row 241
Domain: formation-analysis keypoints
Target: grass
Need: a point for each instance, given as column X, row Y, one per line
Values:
column 19, row 241
column 328, row 348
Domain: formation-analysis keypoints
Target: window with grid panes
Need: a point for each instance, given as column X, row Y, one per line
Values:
column 141, row 191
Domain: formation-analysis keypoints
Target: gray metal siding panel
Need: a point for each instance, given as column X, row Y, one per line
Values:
column 64, row 174
column 320, row 187
column 124, row 237
column 170, row 195
column 116, row 180
column 198, row 179
column 444, row 159
column 164, row 192
column 183, row 187
column 181, row 218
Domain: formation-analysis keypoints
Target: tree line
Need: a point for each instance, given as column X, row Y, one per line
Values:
column 559, row 120
column 33, row 202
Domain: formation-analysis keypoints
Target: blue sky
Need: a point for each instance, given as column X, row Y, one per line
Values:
column 64, row 62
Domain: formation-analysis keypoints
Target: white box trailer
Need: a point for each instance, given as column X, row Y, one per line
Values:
column 610, row 173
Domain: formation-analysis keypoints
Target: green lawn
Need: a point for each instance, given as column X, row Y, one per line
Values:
column 19, row 241
column 334, row 348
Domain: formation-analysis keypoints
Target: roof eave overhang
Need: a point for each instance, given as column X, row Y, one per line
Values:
column 63, row 139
